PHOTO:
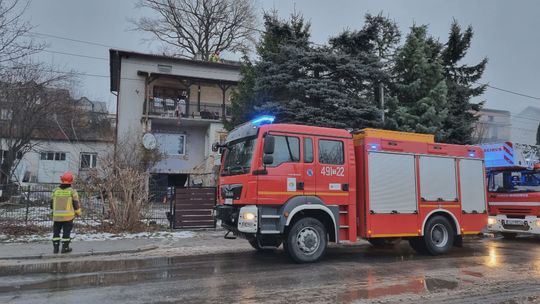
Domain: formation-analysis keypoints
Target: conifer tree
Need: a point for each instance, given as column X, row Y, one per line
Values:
column 300, row 83
column 460, row 80
column 420, row 86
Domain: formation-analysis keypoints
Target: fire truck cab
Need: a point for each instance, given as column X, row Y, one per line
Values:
column 513, row 173
column 304, row 186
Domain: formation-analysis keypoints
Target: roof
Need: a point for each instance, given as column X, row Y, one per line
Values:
column 483, row 110
column 92, row 106
column 115, row 63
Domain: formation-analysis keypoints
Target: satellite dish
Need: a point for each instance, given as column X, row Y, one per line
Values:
column 149, row 141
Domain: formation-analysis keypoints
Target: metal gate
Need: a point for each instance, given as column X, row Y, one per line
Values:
column 193, row 208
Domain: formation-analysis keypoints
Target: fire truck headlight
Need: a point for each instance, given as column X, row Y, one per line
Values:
column 249, row 216
column 537, row 223
column 492, row 221
column 247, row 221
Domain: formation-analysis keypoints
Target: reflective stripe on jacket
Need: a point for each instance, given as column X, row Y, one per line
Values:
column 63, row 210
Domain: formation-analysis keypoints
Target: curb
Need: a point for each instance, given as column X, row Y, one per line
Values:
column 82, row 254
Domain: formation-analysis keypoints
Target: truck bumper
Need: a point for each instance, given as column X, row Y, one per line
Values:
column 501, row 223
column 239, row 219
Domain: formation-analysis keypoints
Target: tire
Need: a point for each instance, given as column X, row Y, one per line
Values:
column 306, row 240
column 438, row 236
column 384, row 242
column 256, row 244
column 509, row 235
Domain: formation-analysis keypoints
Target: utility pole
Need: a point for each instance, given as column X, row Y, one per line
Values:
column 381, row 98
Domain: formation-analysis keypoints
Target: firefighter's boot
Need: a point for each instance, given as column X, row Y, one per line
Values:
column 65, row 247
column 56, row 246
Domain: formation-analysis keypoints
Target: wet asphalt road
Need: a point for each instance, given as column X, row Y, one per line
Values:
column 484, row 271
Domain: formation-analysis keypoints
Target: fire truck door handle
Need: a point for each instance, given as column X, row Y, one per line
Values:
column 345, row 187
column 300, row 186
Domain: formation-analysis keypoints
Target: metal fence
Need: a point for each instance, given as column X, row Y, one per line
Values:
column 31, row 205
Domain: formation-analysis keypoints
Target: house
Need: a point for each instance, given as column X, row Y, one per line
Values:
column 492, row 126
column 74, row 142
column 88, row 105
column 525, row 125
column 181, row 103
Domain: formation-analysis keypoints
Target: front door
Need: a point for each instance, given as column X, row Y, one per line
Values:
column 284, row 176
column 332, row 171
column 309, row 173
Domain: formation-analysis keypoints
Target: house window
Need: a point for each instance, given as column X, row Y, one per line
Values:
column 6, row 114
column 4, row 155
column 88, row 160
column 58, row 156
column 171, row 144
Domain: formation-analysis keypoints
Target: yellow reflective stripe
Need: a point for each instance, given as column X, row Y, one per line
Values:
column 393, row 235
column 62, row 193
column 56, row 238
column 63, row 212
column 470, row 232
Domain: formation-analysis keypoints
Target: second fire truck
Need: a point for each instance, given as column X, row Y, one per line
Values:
column 513, row 172
column 305, row 186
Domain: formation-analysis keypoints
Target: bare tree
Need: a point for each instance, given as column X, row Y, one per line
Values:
column 200, row 27
column 15, row 36
column 122, row 181
column 31, row 102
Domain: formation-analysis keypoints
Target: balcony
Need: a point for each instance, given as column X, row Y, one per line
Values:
column 174, row 108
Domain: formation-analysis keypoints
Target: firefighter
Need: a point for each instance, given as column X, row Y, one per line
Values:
column 65, row 206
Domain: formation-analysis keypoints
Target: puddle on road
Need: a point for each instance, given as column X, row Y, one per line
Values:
column 473, row 273
column 412, row 286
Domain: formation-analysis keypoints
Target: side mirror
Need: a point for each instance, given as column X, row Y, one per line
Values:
column 268, row 159
column 269, row 143
column 215, row 147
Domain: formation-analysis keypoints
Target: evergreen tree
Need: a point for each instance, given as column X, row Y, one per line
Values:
column 420, row 86
column 460, row 80
column 303, row 84
column 376, row 43
column 316, row 87
column 245, row 99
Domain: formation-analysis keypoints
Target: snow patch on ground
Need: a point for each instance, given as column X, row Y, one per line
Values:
column 100, row 236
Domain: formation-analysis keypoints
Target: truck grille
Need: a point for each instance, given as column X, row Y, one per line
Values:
column 516, row 227
column 515, row 210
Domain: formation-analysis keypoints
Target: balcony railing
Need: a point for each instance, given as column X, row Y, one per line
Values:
column 170, row 108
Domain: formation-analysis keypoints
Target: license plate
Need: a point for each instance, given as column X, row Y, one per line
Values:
column 514, row 222
column 228, row 201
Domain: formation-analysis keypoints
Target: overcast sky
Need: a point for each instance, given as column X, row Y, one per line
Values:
column 507, row 32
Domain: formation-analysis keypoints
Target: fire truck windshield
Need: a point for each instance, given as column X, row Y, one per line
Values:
column 514, row 181
column 237, row 158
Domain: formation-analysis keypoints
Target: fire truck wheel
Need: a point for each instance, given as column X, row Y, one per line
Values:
column 306, row 240
column 438, row 235
column 509, row 235
column 268, row 244
column 384, row 242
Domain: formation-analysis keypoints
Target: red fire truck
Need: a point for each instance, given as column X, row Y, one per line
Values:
column 513, row 172
column 305, row 186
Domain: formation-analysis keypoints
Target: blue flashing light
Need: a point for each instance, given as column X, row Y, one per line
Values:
column 472, row 154
column 263, row 120
column 373, row 147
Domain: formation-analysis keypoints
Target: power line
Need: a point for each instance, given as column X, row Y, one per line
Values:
column 76, row 55
column 508, row 91
column 73, row 40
